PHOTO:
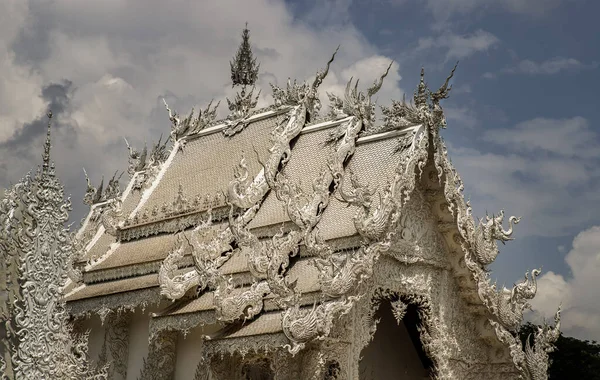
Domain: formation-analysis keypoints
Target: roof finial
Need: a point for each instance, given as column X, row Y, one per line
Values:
column 47, row 145
column 420, row 95
column 244, row 69
column 244, row 72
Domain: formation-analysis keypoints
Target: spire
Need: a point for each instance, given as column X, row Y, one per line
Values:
column 244, row 72
column 420, row 95
column 244, row 69
column 47, row 146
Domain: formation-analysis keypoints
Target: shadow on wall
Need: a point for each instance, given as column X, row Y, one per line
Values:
column 396, row 350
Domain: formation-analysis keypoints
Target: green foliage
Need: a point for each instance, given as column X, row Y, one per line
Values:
column 572, row 358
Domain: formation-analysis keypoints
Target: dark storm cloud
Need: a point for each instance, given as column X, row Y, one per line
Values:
column 58, row 96
column 32, row 43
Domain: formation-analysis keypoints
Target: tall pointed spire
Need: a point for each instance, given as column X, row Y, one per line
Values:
column 244, row 72
column 420, row 96
column 47, row 146
column 244, row 69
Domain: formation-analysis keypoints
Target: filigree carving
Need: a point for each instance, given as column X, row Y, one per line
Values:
column 301, row 326
column 191, row 124
column 146, row 165
column 532, row 362
column 399, row 310
column 37, row 252
column 356, row 103
column 160, row 363
column 92, row 195
column 113, row 217
column 339, row 274
column 305, row 94
column 231, row 306
column 244, row 192
column 486, row 234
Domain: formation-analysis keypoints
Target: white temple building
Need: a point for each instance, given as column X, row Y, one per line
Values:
column 290, row 242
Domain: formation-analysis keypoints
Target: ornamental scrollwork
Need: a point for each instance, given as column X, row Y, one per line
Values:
column 301, row 326
column 239, row 110
column 356, row 103
column 488, row 233
column 146, row 164
column 173, row 285
column 531, row 361
column 43, row 345
column 339, row 274
column 244, row 192
column 231, row 306
column 191, row 124
column 306, row 95
column 113, row 217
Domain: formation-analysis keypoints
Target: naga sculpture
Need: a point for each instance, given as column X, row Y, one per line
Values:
column 305, row 94
column 137, row 159
column 146, row 165
column 370, row 222
column 92, row 195
column 190, row 125
column 357, row 104
column 231, row 306
column 362, row 112
column 113, row 189
column 302, row 325
column 95, row 195
column 532, row 361
column 339, row 274
column 486, row 235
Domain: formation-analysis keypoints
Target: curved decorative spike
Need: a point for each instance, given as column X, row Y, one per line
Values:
column 378, row 83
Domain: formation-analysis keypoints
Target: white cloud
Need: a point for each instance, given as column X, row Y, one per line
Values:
column 122, row 57
column 551, row 66
column 548, row 67
column 459, row 46
column 443, row 10
column 462, row 116
column 566, row 137
column 548, row 166
column 578, row 294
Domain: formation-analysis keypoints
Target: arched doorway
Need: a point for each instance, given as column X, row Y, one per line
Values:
column 395, row 351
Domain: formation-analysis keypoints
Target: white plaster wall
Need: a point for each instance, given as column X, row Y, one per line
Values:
column 138, row 343
column 391, row 354
column 96, row 337
column 189, row 351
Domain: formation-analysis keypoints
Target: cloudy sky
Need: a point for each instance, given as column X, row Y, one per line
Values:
column 522, row 118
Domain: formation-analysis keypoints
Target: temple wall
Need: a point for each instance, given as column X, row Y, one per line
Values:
column 189, row 351
column 138, row 343
column 96, row 337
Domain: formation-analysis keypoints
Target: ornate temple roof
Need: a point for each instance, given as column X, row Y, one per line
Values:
column 273, row 218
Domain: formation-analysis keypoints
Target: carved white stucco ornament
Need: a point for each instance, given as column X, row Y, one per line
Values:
column 378, row 218
column 36, row 250
column 479, row 243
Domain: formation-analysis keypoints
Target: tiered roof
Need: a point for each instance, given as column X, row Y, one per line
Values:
column 269, row 221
